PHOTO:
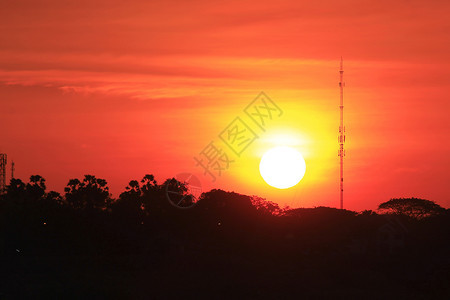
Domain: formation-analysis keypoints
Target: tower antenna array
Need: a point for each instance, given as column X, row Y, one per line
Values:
column 341, row 137
column 2, row 173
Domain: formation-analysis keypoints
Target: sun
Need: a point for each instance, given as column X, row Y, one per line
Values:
column 282, row 167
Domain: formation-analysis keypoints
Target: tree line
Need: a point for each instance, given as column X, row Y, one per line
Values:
column 145, row 197
column 84, row 243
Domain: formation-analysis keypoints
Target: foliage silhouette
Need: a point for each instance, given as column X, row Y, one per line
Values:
column 412, row 207
column 90, row 194
column 130, row 202
column 30, row 197
column 85, row 244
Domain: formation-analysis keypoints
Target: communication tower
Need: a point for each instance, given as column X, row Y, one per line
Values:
column 2, row 173
column 341, row 137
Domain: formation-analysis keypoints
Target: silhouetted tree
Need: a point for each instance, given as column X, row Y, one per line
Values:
column 28, row 205
column 149, row 184
column 92, row 193
column 54, row 197
column 15, row 191
column 178, row 193
column 150, row 192
column 412, row 207
column 368, row 212
column 319, row 213
column 130, row 203
column 30, row 196
column 156, row 197
column 266, row 207
column 221, row 206
column 35, row 188
column 150, row 198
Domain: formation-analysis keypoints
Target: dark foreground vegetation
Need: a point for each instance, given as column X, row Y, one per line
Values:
column 85, row 245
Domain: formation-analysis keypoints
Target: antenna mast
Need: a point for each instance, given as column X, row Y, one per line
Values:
column 341, row 138
column 2, row 173
column 12, row 169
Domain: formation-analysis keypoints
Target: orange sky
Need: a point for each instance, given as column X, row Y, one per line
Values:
column 124, row 88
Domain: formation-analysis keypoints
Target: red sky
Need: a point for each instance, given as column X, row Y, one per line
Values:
column 123, row 88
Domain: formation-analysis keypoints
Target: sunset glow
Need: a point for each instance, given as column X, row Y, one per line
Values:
column 120, row 90
column 240, row 149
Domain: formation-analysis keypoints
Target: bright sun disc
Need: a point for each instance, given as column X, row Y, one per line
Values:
column 282, row 167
